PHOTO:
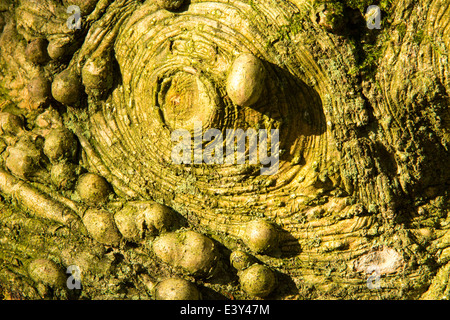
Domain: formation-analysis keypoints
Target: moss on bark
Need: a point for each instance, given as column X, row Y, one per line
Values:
column 362, row 185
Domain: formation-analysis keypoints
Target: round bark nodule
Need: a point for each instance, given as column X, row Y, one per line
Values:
column 24, row 160
column 60, row 144
column 10, row 124
column 64, row 175
column 93, row 189
column 97, row 75
column 57, row 49
column 176, row 289
column 260, row 236
column 127, row 221
column 39, row 91
column 170, row 5
column 67, row 87
column 363, row 143
column 193, row 252
column 101, row 226
column 46, row 272
column 137, row 220
column 245, row 81
column 36, row 51
column 159, row 217
column 241, row 260
column 258, row 280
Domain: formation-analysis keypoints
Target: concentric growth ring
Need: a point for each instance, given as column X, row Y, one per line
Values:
column 174, row 69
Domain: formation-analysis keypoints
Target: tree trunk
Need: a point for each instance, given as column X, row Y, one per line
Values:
column 358, row 208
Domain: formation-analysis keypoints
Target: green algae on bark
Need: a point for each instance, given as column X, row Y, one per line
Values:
column 363, row 128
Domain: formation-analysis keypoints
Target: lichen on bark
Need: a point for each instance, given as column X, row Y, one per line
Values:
column 362, row 184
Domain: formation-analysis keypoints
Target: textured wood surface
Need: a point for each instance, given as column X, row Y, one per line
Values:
column 363, row 175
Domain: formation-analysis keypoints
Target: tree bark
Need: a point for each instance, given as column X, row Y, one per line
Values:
column 359, row 204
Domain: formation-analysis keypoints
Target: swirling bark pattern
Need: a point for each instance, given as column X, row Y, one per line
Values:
column 363, row 176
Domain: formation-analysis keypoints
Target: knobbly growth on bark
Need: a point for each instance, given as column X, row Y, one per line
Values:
column 94, row 207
